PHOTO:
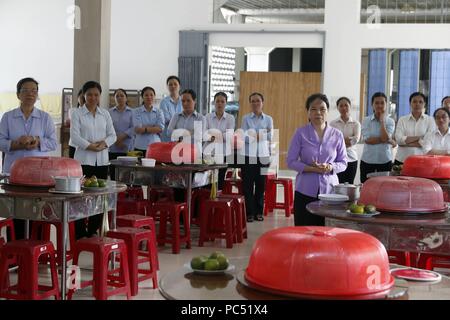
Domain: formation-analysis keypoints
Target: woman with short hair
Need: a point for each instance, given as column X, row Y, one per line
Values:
column 317, row 152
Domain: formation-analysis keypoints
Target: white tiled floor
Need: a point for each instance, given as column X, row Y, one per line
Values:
column 170, row 262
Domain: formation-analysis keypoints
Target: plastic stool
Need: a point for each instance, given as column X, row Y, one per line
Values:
column 241, row 214
column 27, row 254
column 9, row 225
column 270, row 199
column 137, row 221
column 102, row 249
column 229, row 184
column 198, row 196
column 133, row 237
column 430, row 261
column 40, row 230
column 217, row 221
column 399, row 257
column 172, row 211
column 132, row 206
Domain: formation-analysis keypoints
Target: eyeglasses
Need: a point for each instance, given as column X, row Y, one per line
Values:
column 34, row 91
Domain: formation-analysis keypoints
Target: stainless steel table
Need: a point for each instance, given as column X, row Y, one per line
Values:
column 38, row 204
column 428, row 233
column 136, row 174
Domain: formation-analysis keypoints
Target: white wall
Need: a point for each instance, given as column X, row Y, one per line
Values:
column 36, row 42
column 145, row 39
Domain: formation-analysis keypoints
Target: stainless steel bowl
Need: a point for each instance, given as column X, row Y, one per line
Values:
column 350, row 190
column 68, row 184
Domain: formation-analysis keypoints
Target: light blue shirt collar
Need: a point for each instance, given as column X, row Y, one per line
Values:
column 19, row 114
column 214, row 115
column 127, row 108
column 253, row 115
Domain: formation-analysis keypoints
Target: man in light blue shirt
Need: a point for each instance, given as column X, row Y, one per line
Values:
column 26, row 131
column 377, row 131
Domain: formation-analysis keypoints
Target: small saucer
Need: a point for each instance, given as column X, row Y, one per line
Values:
column 52, row 190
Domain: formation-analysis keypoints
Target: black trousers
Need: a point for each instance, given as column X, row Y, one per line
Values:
column 112, row 168
column 349, row 174
column 254, row 185
column 366, row 168
column 72, row 152
column 303, row 217
column 94, row 222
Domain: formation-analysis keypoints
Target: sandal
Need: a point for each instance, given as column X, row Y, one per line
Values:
column 250, row 219
column 260, row 218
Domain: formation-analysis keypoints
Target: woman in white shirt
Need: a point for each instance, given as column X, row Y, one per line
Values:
column 351, row 129
column 92, row 133
column 217, row 125
column 412, row 127
column 437, row 142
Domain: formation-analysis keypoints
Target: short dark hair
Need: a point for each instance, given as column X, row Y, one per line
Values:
column 80, row 94
column 378, row 95
column 146, row 89
column 418, row 94
column 256, row 94
column 316, row 96
column 173, row 78
column 91, row 85
column 191, row 92
column 345, row 99
column 441, row 109
column 120, row 89
column 221, row 94
column 443, row 99
column 25, row 80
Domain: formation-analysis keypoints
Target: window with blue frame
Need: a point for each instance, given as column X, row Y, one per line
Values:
column 439, row 78
column 376, row 81
column 408, row 79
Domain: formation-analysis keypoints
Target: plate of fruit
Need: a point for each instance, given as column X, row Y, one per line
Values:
column 216, row 263
column 94, row 184
column 363, row 211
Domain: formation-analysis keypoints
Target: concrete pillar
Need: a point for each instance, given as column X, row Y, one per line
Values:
column 92, row 46
column 258, row 58
column 342, row 54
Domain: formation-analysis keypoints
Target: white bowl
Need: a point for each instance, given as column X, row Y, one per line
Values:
column 147, row 162
column 333, row 198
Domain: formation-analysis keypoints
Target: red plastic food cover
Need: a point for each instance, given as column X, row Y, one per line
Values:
column 38, row 171
column 319, row 261
column 403, row 194
column 431, row 167
column 172, row 152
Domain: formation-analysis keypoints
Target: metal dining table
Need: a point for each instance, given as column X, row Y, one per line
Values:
column 136, row 174
column 425, row 233
column 38, row 204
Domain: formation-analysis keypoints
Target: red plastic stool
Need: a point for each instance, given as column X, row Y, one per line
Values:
column 27, row 254
column 40, row 230
column 217, row 221
column 102, row 250
column 229, row 175
column 137, row 221
column 171, row 211
column 9, row 225
column 229, row 184
column 270, row 199
column 160, row 193
column 430, row 261
column 133, row 238
column 241, row 214
column 399, row 257
column 198, row 196
column 132, row 206
column 136, row 193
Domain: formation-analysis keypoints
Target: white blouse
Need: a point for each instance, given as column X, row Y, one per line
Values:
column 86, row 129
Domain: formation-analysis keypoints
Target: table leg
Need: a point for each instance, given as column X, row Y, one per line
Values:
column 189, row 196
column 65, row 227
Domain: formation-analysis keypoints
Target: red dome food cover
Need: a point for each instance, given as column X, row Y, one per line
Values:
column 320, row 262
column 403, row 194
column 431, row 167
column 172, row 152
column 38, row 171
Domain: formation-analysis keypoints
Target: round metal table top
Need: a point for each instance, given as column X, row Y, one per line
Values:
column 339, row 211
column 183, row 284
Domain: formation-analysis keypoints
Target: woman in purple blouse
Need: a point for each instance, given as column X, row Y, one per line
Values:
column 317, row 152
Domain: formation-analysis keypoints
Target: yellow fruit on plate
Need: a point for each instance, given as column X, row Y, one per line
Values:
column 359, row 209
